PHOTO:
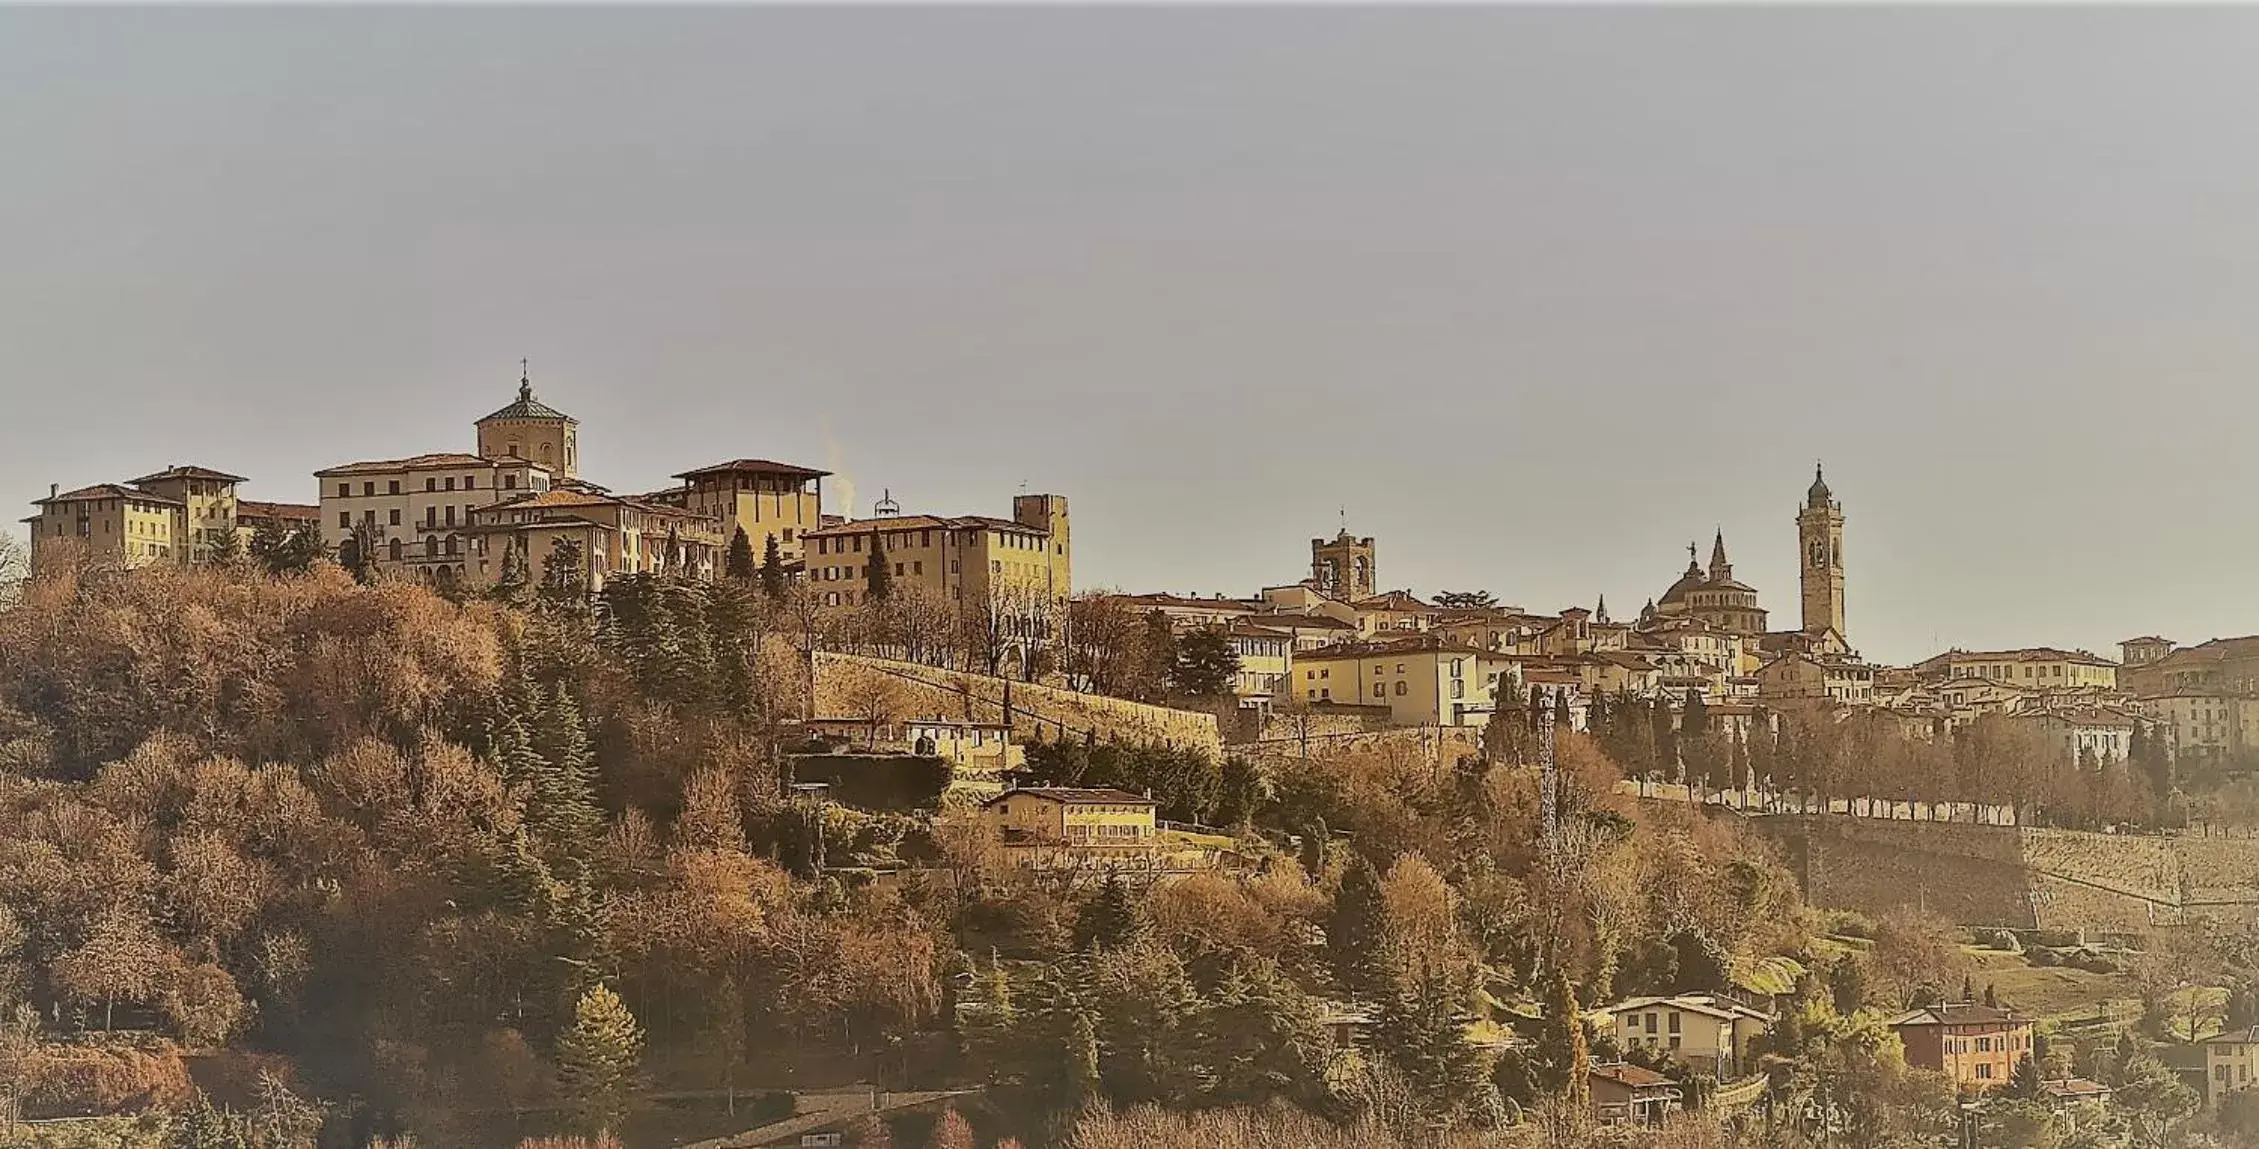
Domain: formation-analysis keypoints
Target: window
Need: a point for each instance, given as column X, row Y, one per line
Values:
column 368, row 489
column 344, row 521
column 1650, row 1023
column 1380, row 691
column 1674, row 1028
column 431, row 484
column 393, row 551
column 470, row 482
column 450, row 516
column 1984, row 1071
column 345, row 490
column 392, row 486
column 509, row 482
column 917, row 568
column 898, row 570
column 392, row 517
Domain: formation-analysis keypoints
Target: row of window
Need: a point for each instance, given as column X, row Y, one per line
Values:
column 431, row 483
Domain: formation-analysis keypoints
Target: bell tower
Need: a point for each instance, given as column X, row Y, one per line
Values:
column 1342, row 567
column 1819, row 539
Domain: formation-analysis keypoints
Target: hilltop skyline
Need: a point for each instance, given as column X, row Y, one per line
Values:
column 1213, row 275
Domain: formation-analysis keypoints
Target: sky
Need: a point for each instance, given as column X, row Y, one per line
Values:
column 1534, row 296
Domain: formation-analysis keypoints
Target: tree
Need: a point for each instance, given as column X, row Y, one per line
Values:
column 738, row 562
column 878, row 574
column 598, row 1058
column 14, row 567
column 772, row 571
column 1079, row 1062
column 1465, row 599
column 122, row 958
column 1422, row 1031
column 1357, row 931
column 1847, row 984
column 285, row 550
column 1559, row 1055
column 514, row 584
column 951, row 1132
column 564, row 574
column 1207, row 664
column 2025, row 1081
column 1109, row 919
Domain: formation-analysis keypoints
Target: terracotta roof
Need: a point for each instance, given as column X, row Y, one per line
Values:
column 106, row 491
column 2248, row 1035
column 1409, row 644
column 2214, row 650
column 1633, row 1076
column 922, row 522
column 1303, row 622
column 2145, row 638
column 528, row 407
column 554, row 497
column 441, row 459
column 1397, row 600
column 2075, row 1088
column 1077, row 795
column 2027, row 654
column 1956, row 1013
column 754, row 467
column 254, row 509
column 191, row 472
column 1708, row 1004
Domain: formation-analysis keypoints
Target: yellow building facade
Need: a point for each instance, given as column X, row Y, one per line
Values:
column 1024, row 560
column 765, row 499
column 1423, row 679
column 1059, row 815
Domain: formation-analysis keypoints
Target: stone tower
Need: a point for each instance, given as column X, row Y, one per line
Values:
column 1342, row 567
column 1819, row 538
column 532, row 429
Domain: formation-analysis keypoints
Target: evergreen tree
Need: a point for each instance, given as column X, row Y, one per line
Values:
column 1968, row 988
column 513, row 586
column 1422, row 1031
column 772, row 571
column 564, row 575
column 598, row 1059
column 1207, row 666
column 2025, row 1081
column 1991, row 996
column 1079, row 1063
column 285, row 551
column 1357, row 931
column 738, row 562
column 226, row 547
column 1559, row 1056
column 1109, row 919
column 1847, row 984
column 1665, row 738
column 563, row 808
column 878, row 574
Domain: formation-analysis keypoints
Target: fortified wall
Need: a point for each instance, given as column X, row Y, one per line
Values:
column 842, row 682
column 2018, row 877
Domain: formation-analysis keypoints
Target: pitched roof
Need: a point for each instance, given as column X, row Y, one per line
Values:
column 1408, row 644
column 435, row 460
column 1162, row 600
column 190, row 472
column 921, row 522
column 1707, row 1004
column 1956, row 1013
column 754, row 467
column 1631, row 1076
column 106, row 491
column 254, row 509
column 2075, row 1088
column 1077, row 795
column 528, row 407
column 2027, row 654
column 2248, row 1035
column 1398, row 600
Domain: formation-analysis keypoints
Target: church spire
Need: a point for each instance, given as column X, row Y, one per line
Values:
column 1720, row 569
column 1601, row 615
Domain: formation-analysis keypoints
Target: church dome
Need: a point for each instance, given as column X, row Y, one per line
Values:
column 1688, row 583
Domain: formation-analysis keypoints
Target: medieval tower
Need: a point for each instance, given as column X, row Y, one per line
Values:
column 1342, row 567
column 1819, row 536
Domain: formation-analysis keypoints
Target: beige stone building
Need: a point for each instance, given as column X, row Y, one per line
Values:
column 414, row 515
column 534, row 431
column 1799, row 677
column 609, row 535
column 1424, row 679
column 1024, row 560
column 763, row 497
column 2035, row 668
column 182, row 514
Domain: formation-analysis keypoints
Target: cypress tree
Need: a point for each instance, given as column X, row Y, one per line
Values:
column 1357, row 931
column 772, row 571
column 738, row 563
column 878, row 575
column 1423, row 1033
column 1079, row 1062
column 1665, row 738
column 1560, row 1055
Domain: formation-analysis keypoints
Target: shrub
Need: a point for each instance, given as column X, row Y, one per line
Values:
column 1849, row 924
column 2005, row 941
column 2043, row 958
column 86, row 1080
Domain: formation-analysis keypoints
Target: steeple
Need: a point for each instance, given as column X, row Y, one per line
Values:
column 1720, row 569
column 1818, row 495
column 1601, row 615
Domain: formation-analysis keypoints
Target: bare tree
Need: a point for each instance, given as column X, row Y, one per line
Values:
column 15, row 567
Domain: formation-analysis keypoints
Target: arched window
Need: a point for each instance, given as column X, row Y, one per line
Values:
column 545, row 452
column 454, row 545
column 396, row 550
column 431, row 548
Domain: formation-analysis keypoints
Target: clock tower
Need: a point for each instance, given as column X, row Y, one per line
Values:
column 1819, row 537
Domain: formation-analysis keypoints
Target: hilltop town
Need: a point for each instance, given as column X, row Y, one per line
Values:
column 474, row 800
column 1337, row 644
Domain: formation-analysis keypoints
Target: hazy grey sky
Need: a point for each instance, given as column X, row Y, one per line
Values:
column 1539, row 295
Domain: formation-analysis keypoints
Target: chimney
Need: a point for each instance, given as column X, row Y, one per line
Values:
column 54, row 489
